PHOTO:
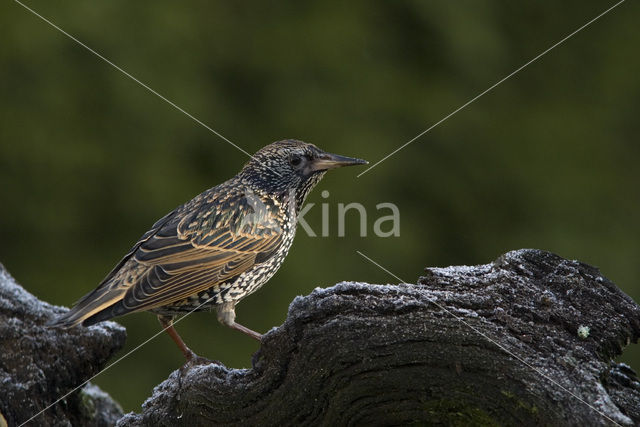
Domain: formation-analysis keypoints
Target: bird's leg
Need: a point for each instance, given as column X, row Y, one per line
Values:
column 227, row 316
column 192, row 358
column 167, row 325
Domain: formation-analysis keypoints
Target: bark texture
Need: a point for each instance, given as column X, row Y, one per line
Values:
column 527, row 339
column 39, row 364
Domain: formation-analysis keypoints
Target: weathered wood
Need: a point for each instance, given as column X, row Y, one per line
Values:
column 39, row 364
column 504, row 343
column 527, row 339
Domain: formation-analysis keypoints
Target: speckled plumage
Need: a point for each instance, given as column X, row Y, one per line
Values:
column 217, row 248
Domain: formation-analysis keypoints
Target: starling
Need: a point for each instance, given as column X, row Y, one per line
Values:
column 215, row 249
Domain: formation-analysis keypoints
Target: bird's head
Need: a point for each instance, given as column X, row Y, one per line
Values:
column 291, row 166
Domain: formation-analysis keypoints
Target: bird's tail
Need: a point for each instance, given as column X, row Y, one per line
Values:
column 98, row 305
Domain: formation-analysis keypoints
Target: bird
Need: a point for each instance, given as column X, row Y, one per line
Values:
column 214, row 250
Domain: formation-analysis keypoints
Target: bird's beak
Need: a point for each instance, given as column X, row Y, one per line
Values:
column 331, row 161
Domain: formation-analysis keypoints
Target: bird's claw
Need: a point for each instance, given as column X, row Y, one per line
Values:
column 195, row 360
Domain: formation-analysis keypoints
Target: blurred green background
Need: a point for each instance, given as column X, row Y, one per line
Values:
column 89, row 159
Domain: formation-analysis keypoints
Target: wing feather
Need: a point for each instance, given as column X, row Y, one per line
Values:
column 210, row 240
column 203, row 249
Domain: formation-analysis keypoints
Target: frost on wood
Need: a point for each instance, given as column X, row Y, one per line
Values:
column 527, row 339
column 40, row 364
column 503, row 343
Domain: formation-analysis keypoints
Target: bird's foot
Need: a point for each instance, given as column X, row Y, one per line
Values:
column 195, row 360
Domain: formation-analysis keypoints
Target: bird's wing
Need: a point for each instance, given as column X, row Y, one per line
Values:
column 146, row 236
column 110, row 290
column 211, row 244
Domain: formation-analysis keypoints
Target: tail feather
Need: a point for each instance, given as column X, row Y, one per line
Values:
column 115, row 310
column 101, row 304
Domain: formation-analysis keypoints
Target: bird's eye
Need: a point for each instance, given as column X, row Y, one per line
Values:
column 295, row 160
